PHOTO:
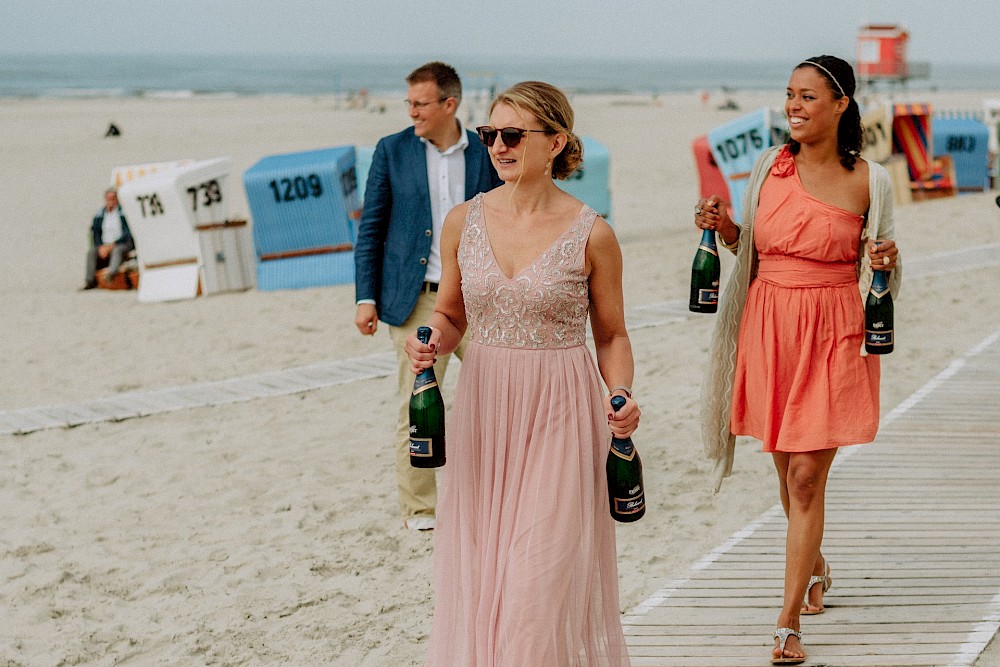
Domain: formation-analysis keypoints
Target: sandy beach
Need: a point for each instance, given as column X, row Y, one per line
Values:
column 266, row 532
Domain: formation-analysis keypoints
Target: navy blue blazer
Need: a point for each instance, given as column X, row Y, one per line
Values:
column 97, row 228
column 394, row 236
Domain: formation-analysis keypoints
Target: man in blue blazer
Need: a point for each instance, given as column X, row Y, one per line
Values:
column 110, row 241
column 415, row 178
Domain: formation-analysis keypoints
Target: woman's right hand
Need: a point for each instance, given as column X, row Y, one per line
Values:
column 713, row 213
column 422, row 356
column 624, row 422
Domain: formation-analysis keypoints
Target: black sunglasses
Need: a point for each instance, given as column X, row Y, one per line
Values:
column 511, row 136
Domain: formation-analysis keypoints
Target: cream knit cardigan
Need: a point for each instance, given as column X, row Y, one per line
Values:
column 717, row 390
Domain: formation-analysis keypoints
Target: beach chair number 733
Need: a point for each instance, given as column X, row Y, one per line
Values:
column 211, row 191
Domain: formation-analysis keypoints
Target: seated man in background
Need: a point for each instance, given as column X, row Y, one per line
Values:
column 111, row 241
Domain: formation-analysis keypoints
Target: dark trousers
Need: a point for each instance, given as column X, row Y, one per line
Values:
column 113, row 261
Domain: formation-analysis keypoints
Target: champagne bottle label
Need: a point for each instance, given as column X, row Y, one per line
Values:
column 423, row 382
column 877, row 337
column 421, row 446
column 636, row 502
column 709, row 248
column 709, row 296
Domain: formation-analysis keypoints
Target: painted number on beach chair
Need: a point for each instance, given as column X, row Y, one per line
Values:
column 348, row 182
column 961, row 143
column 735, row 147
column 155, row 206
column 300, row 187
column 875, row 134
column 212, row 194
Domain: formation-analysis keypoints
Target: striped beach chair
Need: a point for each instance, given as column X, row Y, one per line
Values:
column 911, row 136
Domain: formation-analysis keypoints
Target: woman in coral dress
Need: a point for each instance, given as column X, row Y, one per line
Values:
column 788, row 365
column 525, row 566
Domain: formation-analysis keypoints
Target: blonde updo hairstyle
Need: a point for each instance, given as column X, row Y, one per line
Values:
column 549, row 105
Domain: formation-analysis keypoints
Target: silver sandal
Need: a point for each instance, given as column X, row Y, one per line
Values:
column 782, row 635
column 813, row 580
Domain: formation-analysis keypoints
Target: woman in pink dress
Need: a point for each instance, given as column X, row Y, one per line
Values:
column 525, row 566
column 787, row 363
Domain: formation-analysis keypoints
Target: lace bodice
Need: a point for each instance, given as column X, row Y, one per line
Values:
column 543, row 306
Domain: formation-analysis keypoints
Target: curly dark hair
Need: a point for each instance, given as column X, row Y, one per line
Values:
column 839, row 76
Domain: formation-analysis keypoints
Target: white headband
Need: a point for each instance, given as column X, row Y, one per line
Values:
column 828, row 73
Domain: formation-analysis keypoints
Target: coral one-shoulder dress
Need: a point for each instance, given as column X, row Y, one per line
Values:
column 525, row 571
column 801, row 381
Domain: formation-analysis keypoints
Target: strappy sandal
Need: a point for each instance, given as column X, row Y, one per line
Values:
column 782, row 635
column 813, row 580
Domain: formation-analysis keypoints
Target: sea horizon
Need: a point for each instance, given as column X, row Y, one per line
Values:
column 190, row 75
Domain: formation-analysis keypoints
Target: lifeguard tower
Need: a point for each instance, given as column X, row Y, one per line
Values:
column 880, row 55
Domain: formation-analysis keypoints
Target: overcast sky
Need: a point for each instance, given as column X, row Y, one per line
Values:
column 940, row 30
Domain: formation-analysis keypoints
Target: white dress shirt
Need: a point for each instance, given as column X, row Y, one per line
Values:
column 446, row 180
column 111, row 229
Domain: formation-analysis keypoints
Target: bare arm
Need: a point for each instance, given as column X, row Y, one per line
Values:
column 607, row 318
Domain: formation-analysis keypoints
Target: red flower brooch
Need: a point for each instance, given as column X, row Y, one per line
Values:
column 784, row 163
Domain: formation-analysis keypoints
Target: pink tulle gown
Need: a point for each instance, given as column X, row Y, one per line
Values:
column 525, row 569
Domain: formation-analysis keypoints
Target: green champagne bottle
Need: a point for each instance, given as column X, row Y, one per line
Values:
column 705, row 275
column 426, row 416
column 878, row 316
column 626, row 495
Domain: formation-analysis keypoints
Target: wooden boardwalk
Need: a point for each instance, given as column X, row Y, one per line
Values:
column 912, row 537
column 281, row 382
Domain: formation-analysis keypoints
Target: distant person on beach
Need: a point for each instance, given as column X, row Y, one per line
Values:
column 416, row 177
column 525, row 566
column 787, row 362
column 110, row 241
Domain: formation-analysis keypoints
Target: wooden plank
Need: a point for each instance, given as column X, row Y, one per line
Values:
column 669, row 614
column 750, row 659
column 715, row 649
column 827, row 633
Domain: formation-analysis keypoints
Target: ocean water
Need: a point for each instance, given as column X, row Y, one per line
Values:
column 190, row 75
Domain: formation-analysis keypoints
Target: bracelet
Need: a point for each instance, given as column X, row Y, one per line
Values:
column 627, row 390
column 734, row 244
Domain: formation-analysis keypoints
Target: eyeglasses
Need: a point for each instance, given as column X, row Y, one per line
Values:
column 420, row 105
column 511, row 136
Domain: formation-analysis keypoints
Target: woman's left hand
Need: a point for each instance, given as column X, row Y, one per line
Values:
column 624, row 422
column 883, row 254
